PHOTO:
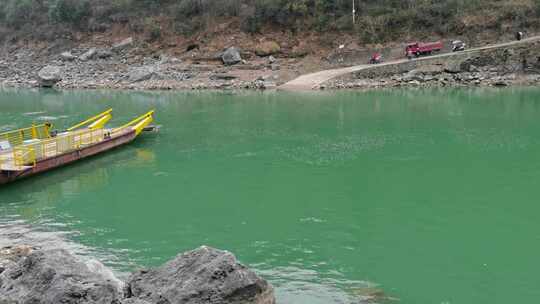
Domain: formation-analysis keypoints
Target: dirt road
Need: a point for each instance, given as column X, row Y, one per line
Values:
column 313, row 80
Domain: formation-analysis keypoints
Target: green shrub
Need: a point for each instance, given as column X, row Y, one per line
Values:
column 188, row 8
column 18, row 12
column 377, row 20
column 70, row 11
column 154, row 29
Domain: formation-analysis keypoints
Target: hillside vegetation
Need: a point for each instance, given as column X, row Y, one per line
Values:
column 376, row 20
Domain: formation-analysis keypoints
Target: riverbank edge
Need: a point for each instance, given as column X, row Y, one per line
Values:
column 514, row 65
column 121, row 67
column 342, row 84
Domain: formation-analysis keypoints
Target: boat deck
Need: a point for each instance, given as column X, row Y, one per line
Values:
column 25, row 156
column 7, row 162
column 33, row 150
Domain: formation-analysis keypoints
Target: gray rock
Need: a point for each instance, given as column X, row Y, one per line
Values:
column 122, row 45
column 223, row 77
column 270, row 85
column 11, row 255
column 142, row 73
column 49, row 76
column 453, row 68
column 407, row 77
column 231, row 56
column 134, row 301
column 88, row 55
column 67, row 56
column 204, row 275
column 473, row 68
column 56, row 276
column 104, row 54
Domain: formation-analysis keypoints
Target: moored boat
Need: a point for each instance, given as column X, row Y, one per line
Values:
column 36, row 149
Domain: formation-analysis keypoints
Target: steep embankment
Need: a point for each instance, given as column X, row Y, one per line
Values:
column 177, row 44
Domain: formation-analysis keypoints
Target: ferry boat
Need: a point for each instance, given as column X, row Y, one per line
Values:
column 37, row 149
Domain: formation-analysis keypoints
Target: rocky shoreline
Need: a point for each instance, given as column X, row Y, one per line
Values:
column 516, row 65
column 129, row 65
column 420, row 78
column 203, row 275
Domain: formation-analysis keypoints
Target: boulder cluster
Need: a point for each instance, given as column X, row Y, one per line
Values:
column 204, row 275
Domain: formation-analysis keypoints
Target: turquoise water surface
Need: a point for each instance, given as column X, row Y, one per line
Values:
column 429, row 195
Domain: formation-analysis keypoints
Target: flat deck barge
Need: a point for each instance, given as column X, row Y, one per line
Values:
column 30, row 151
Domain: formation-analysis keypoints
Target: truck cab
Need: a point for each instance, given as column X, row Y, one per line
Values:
column 412, row 49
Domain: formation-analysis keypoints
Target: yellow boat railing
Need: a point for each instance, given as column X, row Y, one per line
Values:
column 29, row 154
column 139, row 123
column 25, row 147
column 24, row 156
column 17, row 137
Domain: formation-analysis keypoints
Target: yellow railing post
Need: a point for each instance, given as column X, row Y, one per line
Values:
column 34, row 132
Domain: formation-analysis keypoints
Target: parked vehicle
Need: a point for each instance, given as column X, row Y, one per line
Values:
column 376, row 58
column 418, row 49
column 519, row 36
column 458, row 45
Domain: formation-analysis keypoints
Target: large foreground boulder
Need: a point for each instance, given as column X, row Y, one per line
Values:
column 54, row 276
column 49, row 76
column 231, row 56
column 204, row 275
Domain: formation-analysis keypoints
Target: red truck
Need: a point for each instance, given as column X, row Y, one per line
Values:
column 418, row 48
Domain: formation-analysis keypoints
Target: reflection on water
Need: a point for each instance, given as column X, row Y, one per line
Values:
column 84, row 176
column 297, row 285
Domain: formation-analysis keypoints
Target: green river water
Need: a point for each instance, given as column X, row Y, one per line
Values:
column 430, row 195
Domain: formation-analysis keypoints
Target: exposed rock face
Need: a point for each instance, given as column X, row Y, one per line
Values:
column 122, row 45
column 55, row 276
column 88, row 55
column 49, row 76
column 231, row 56
column 204, row 275
column 141, row 73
